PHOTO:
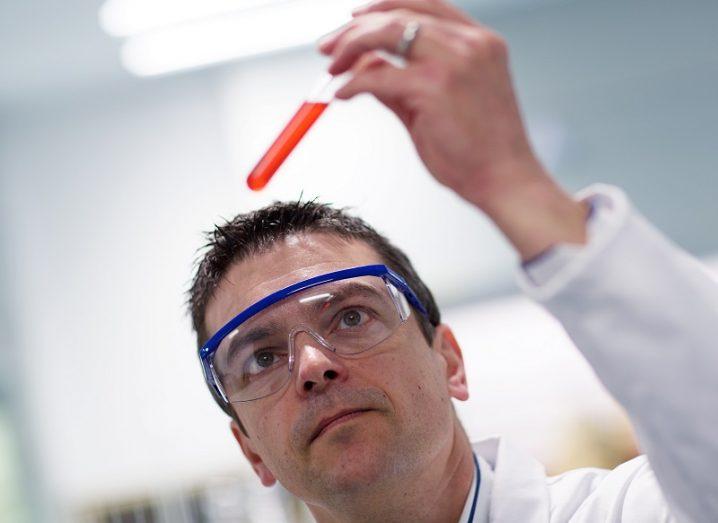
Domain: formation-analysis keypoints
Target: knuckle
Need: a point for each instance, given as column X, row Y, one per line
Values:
column 481, row 46
column 353, row 48
column 466, row 49
column 496, row 45
column 344, row 40
column 477, row 43
column 395, row 24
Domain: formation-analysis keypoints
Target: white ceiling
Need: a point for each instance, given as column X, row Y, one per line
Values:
column 50, row 48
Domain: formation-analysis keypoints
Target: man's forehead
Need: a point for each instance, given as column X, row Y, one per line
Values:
column 292, row 259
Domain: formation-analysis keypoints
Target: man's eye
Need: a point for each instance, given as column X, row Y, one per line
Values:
column 352, row 318
column 262, row 360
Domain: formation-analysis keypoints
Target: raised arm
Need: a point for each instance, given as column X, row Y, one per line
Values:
column 644, row 313
column 645, row 316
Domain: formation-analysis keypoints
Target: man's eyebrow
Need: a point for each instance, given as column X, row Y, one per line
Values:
column 317, row 305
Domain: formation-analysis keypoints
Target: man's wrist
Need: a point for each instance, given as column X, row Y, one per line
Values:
column 532, row 211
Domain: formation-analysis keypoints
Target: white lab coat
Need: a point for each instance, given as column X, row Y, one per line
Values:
column 645, row 316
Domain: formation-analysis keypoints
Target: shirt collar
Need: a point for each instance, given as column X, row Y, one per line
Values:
column 476, row 507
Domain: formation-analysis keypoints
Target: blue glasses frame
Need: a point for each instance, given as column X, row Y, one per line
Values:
column 208, row 349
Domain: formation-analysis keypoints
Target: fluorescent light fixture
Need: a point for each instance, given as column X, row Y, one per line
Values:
column 124, row 18
column 166, row 36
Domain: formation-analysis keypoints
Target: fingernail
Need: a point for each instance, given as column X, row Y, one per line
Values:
column 322, row 42
column 325, row 44
column 340, row 94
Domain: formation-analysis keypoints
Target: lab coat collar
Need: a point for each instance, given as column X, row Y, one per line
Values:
column 519, row 491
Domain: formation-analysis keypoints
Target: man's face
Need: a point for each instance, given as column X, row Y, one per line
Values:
column 393, row 401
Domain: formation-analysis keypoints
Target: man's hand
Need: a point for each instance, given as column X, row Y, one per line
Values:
column 456, row 99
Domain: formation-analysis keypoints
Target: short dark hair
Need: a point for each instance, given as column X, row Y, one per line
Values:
column 257, row 231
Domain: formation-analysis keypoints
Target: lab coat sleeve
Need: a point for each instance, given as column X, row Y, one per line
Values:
column 645, row 316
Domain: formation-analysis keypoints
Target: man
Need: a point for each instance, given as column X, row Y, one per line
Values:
column 321, row 342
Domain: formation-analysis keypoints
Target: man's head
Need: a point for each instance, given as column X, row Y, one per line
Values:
column 398, row 392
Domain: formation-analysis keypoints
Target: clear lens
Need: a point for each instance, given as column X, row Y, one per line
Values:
column 348, row 317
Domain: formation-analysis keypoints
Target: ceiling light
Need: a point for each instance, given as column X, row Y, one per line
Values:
column 164, row 36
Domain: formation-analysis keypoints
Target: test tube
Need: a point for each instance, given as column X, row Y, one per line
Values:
column 308, row 113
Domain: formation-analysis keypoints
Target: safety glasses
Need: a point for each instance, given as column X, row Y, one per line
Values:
column 346, row 312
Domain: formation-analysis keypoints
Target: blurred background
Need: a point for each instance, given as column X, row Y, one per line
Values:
column 128, row 127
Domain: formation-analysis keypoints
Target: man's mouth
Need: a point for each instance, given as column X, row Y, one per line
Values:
column 337, row 419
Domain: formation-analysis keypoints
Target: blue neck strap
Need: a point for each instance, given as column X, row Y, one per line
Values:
column 476, row 489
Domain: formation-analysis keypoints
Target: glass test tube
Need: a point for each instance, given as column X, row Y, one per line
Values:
column 308, row 113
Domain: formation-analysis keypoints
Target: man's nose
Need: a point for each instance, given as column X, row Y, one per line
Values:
column 316, row 366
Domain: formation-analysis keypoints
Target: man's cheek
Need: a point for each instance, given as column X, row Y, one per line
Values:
column 262, row 426
column 269, row 426
column 272, row 452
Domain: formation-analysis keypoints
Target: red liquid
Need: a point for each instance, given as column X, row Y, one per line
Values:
column 284, row 144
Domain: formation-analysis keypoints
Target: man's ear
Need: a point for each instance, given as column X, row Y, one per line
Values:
column 260, row 469
column 446, row 346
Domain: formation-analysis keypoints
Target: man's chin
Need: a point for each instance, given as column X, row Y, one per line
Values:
column 353, row 457
column 350, row 474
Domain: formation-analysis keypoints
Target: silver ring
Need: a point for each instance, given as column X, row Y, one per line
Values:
column 407, row 38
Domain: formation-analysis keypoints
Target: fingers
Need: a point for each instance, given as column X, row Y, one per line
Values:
column 369, row 61
column 370, row 33
column 327, row 42
column 383, row 31
column 377, row 76
column 435, row 8
column 438, row 8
